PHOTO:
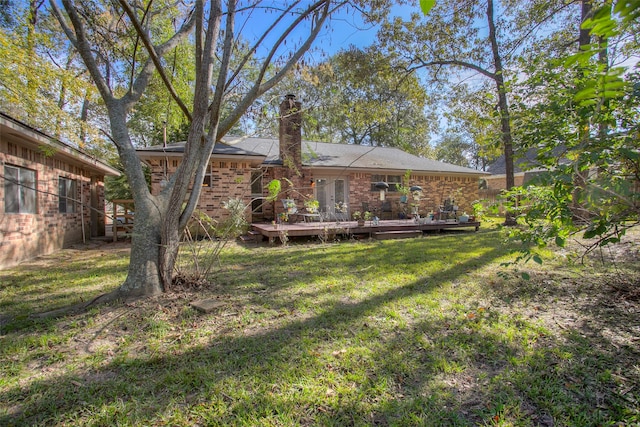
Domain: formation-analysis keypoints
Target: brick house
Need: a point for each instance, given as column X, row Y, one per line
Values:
column 51, row 194
column 333, row 174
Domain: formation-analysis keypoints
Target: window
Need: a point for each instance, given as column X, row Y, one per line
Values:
column 392, row 180
column 208, row 180
column 66, row 195
column 19, row 190
column 256, row 191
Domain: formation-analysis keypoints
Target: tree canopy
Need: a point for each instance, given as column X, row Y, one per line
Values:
column 195, row 59
column 584, row 130
column 358, row 97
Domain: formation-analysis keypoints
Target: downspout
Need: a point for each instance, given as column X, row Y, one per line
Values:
column 84, row 237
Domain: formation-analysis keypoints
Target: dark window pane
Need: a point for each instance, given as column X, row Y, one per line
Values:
column 11, row 190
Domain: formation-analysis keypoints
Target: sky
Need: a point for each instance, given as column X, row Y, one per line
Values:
column 345, row 28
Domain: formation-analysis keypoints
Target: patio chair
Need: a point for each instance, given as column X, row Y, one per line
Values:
column 447, row 208
column 367, row 208
column 290, row 207
column 386, row 211
column 310, row 216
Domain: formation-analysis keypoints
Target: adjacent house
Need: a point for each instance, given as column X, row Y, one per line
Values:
column 525, row 168
column 343, row 178
column 51, row 194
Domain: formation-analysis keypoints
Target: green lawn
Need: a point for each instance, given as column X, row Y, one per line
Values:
column 428, row 331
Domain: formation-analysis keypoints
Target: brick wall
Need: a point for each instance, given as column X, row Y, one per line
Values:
column 435, row 189
column 23, row 235
column 224, row 180
column 231, row 180
column 499, row 182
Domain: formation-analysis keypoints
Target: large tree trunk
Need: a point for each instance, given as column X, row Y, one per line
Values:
column 580, row 177
column 503, row 106
column 161, row 218
column 144, row 276
column 170, row 239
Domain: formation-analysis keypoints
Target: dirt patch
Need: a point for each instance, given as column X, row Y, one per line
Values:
column 93, row 249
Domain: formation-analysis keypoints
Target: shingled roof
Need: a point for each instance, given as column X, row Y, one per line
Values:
column 327, row 155
column 524, row 162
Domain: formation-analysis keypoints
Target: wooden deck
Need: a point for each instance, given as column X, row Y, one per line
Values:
column 385, row 229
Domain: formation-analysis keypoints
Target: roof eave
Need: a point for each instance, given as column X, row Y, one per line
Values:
column 36, row 137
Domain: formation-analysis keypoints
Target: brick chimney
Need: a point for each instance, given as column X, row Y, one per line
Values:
column 291, row 135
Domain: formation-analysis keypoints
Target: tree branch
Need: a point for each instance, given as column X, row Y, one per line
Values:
column 214, row 115
column 258, row 89
column 453, row 62
column 253, row 48
column 154, row 57
column 78, row 37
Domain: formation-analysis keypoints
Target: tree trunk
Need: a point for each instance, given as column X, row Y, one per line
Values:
column 160, row 219
column 144, row 276
column 580, row 177
column 503, row 106
column 170, row 239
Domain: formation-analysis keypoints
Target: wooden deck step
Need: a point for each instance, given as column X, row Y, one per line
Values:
column 252, row 236
column 404, row 234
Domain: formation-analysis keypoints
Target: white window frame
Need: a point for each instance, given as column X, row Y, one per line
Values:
column 67, row 193
column 20, row 186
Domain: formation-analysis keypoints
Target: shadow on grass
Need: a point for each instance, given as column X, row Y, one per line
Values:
column 51, row 282
column 417, row 368
column 198, row 380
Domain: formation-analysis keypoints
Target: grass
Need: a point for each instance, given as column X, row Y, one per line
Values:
column 429, row 331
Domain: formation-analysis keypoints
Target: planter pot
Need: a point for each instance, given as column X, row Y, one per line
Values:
column 403, row 199
column 463, row 218
column 361, row 223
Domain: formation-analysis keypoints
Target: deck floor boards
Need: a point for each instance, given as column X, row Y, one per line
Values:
column 302, row 229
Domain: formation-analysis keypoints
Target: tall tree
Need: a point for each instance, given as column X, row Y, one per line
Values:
column 122, row 47
column 584, row 128
column 41, row 80
column 356, row 97
column 470, row 112
column 457, row 39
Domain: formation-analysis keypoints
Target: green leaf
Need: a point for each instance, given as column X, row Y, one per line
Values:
column 560, row 241
column 274, row 188
column 427, row 5
column 525, row 276
column 537, row 259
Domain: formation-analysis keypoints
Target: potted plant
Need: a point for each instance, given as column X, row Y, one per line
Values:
column 368, row 216
column 463, row 218
column 478, row 211
column 403, row 188
column 312, row 205
column 289, row 205
column 357, row 215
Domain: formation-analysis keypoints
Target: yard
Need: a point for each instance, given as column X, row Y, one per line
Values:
column 427, row 331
